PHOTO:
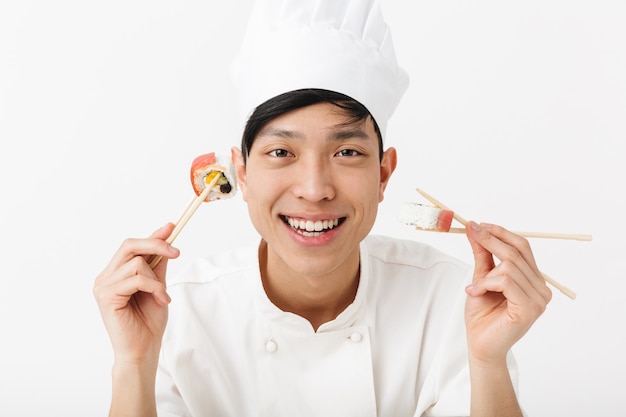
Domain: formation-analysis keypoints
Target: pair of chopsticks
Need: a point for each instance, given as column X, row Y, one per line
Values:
column 563, row 289
column 190, row 209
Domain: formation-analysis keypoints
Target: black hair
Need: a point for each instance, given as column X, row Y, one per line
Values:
column 297, row 99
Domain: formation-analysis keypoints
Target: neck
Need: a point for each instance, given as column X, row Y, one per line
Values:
column 319, row 298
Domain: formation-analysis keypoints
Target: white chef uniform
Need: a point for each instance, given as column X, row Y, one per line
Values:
column 398, row 350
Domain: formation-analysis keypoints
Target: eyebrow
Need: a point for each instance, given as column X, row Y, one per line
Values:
column 339, row 135
column 281, row 133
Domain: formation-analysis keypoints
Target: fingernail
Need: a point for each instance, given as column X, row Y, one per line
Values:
column 476, row 227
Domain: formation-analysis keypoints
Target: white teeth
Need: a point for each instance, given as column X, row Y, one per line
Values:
column 308, row 226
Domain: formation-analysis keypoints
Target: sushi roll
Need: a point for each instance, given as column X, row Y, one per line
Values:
column 426, row 217
column 205, row 168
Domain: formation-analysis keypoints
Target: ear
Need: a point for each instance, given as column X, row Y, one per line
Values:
column 240, row 169
column 387, row 166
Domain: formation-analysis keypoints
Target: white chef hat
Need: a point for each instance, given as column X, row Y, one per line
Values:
column 339, row 45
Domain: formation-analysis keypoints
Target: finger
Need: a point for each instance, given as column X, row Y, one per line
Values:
column 511, row 248
column 520, row 307
column 508, row 297
column 508, row 271
column 145, row 284
column 135, row 266
column 505, row 248
column 521, row 252
column 147, row 247
column 163, row 233
column 160, row 269
column 141, row 283
column 496, row 283
column 508, row 280
column 128, row 273
column 483, row 259
column 514, row 240
column 116, row 295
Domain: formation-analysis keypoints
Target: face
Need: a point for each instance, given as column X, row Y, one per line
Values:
column 313, row 184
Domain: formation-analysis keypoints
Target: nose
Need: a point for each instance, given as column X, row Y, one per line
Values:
column 314, row 180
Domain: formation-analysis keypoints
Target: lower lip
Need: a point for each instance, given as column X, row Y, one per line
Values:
column 316, row 238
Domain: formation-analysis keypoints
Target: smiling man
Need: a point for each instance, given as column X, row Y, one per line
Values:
column 320, row 318
column 313, row 180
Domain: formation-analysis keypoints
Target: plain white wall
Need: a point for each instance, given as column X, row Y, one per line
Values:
column 515, row 115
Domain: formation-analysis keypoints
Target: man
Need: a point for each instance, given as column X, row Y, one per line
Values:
column 319, row 318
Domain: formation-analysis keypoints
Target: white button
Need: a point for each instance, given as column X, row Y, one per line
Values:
column 356, row 337
column 271, row 346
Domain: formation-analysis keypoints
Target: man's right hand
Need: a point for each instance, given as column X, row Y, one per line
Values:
column 132, row 298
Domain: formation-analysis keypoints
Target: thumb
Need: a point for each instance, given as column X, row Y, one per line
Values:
column 483, row 259
column 163, row 232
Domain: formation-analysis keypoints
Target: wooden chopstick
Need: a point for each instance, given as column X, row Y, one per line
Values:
column 564, row 236
column 439, row 204
column 185, row 216
column 187, row 207
column 563, row 289
column 569, row 293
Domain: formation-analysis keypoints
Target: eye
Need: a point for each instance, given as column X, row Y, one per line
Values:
column 348, row 152
column 279, row 153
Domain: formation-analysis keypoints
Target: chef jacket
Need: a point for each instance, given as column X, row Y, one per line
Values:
column 398, row 350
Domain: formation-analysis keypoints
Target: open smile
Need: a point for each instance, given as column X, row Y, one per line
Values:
column 312, row 228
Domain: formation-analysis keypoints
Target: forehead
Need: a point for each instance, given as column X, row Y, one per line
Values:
column 324, row 119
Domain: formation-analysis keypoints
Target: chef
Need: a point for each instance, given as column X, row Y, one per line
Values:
column 319, row 318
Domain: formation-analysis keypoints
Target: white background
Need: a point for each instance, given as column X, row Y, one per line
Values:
column 515, row 115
